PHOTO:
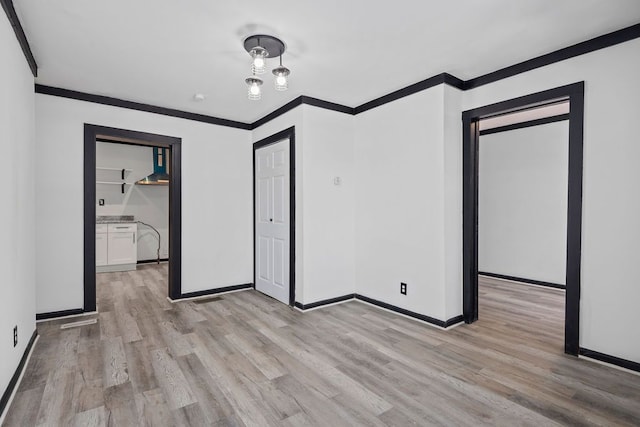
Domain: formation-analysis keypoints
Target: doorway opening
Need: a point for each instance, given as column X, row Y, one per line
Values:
column 123, row 236
column 274, row 216
column 574, row 95
column 522, row 214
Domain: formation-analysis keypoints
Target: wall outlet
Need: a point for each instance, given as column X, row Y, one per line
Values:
column 101, row 202
column 403, row 288
column 15, row 335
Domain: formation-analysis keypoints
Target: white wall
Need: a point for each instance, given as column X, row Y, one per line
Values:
column 17, row 210
column 324, row 211
column 216, row 198
column 329, row 209
column 400, row 209
column 147, row 203
column 611, row 208
column 452, row 202
column 522, row 202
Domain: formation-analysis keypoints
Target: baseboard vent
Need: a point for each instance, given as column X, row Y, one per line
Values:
column 78, row 323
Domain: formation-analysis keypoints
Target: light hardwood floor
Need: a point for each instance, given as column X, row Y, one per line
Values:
column 245, row 359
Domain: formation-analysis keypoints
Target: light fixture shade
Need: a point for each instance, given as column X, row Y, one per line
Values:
column 253, row 87
column 259, row 55
column 282, row 80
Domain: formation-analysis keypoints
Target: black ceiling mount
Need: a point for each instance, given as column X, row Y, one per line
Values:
column 271, row 44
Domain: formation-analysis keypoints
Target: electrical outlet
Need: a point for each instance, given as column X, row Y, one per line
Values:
column 101, row 202
column 403, row 288
column 15, row 335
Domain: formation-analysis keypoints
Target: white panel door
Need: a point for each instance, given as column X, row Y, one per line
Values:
column 272, row 220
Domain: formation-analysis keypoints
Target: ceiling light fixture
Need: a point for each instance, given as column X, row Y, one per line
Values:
column 254, row 82
column 281, row 73
column 261, row 47
column 259, row 55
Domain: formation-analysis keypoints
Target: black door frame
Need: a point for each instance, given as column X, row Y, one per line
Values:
column 289, row 133
column 574, row 93
column 91, row 134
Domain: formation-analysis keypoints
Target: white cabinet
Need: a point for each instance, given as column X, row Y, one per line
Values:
column 101, row 245
column 116, row 248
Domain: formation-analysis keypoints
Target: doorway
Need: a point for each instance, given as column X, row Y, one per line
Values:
column 574, row 94
column 274, row 216
column 93, row 134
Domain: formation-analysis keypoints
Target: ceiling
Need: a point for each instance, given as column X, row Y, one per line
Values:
column 162, row 52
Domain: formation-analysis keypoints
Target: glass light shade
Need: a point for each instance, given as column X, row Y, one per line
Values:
column 259, row 55
column 281, row 73
column 253, row 87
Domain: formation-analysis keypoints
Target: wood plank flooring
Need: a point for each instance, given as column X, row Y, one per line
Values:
column 244, row 359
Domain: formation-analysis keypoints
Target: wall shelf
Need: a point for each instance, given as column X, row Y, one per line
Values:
column 122, row 171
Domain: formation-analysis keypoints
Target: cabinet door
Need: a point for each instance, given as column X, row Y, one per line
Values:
column 101, row 249
column 122, row 248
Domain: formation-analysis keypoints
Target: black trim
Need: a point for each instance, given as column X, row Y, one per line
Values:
column 289, row 133
column 575, row 94
column 424, row 318
column 91, row 134
column 527, row 124
column 151, row 261
column 522, row 280
column 436, row 80
column 277, row 113
column 470, row 138
column 597, row 43
column 16, row 375
column 327, row 105
column 623, row 363
column 115, row 102
column 61, row 313
column 325, row 302
column 214, row 291
column 299, row 101
column 7, row 5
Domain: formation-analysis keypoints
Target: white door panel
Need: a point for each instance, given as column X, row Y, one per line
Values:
column 264, row 199
column 279, row 255
column 279, row 216
column 272, row 203
column 264, row 258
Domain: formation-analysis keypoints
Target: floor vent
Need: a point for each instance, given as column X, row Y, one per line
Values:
column 78, row 323
column 206, row 300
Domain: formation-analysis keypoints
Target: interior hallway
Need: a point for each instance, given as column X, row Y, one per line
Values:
column 245, row 359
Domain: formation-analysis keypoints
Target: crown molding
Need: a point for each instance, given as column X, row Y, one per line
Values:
column 7, row 5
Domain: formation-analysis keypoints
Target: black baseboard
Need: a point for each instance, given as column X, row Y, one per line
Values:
column 215, row 291
column 623, row 363
column 14, row 379
column 324, row 302
column 152, row 261
column 424, row 318
column 523, row 280
column 62, row 313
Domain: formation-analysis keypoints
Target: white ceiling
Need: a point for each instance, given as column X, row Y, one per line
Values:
column 162, row 52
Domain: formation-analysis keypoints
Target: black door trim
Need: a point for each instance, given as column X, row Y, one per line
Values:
column 284, row 134
column 574, row 93
column 91, row 134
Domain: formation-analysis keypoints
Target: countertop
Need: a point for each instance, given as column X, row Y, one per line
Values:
column 114, row 219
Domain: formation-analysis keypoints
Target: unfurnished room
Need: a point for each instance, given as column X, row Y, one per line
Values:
column 319, row 213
